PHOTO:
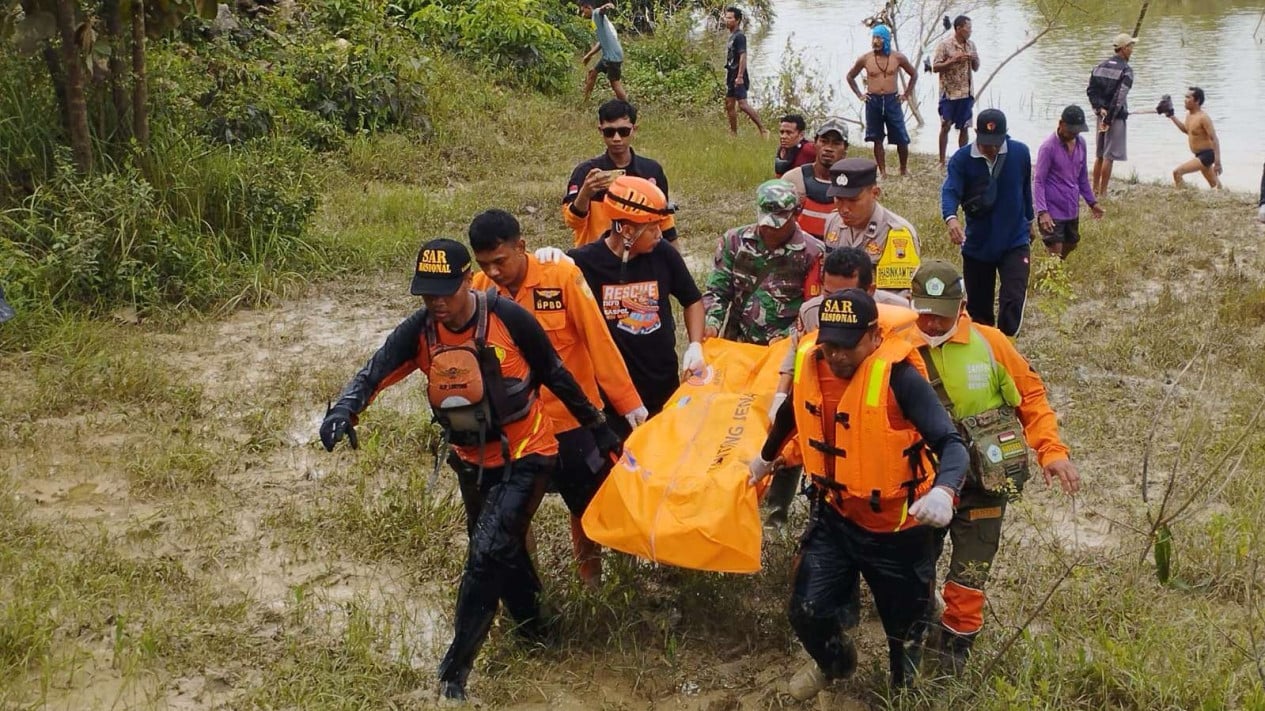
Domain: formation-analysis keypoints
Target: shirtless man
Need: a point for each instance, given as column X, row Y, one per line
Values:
column 883, row 108
column 1203, row 141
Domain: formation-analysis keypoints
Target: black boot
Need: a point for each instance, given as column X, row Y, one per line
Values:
column 781, row 495
column 454, row 687
column 902, row 660
column 952, row 651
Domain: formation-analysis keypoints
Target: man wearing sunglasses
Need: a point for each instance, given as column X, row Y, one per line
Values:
column 584, row 206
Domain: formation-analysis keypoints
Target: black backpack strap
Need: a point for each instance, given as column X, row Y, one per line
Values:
column 937, row 382
column 494, row 388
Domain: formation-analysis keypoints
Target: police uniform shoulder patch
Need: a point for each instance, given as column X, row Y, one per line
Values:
column 547, row 299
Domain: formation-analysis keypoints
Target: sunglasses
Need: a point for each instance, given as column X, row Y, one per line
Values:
column 623, row 131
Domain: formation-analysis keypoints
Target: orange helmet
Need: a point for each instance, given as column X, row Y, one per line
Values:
column 636, row 200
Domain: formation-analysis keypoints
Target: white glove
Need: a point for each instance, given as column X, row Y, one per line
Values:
column 692, row 362
column 935, row 508
column 778, row 399
column 552, row 255
column 637, row 417
column 759, row 469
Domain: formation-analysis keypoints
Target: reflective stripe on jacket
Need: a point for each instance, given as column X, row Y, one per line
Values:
column 866, row 457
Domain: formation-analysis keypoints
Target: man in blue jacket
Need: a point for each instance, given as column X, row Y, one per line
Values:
column 991, row 181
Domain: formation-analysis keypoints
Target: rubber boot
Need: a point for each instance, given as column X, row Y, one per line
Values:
column 588, row 556
column 780, row 496
column 903, row 663
column 454, row 689
column 952, row 651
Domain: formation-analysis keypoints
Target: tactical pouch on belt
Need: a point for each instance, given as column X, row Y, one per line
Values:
column 994, row 439
column 999, row 455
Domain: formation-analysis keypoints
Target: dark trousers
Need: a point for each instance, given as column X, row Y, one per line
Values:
column 581, row 469
column 900, row 569
column 981, row 285
column 1263, row 186
column 499, row 506
column 976, row 535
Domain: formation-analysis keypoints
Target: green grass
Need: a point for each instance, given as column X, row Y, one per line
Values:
column 224, row 547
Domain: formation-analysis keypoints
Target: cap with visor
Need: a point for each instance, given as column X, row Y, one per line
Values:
column 775, row 203
column 845, row 317
column 442, row 265
column 937, row 289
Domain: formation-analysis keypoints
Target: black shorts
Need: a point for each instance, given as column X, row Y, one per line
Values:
column 1207, row 157
column 614, row 71
column 733, row 90
column 581, row 468
column 1064, row 232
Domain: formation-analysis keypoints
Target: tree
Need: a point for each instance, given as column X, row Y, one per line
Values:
column 66, row 33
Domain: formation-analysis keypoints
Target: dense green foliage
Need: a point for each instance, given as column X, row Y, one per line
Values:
column 248, row 116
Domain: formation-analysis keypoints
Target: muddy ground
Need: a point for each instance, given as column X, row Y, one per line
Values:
column 275, row 575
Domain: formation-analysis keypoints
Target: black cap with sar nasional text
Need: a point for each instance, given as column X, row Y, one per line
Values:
column 846, row 316
column 442, row 264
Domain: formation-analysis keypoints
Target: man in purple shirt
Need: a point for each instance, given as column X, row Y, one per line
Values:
column 1061, row 179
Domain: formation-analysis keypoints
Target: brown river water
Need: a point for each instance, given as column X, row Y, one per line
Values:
column 1209, row 43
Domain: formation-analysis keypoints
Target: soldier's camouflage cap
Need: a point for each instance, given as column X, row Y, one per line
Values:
column 774, row 201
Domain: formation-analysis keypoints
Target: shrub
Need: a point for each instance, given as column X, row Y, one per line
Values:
column 673, row 67
column 512, row 39
column 192, row 236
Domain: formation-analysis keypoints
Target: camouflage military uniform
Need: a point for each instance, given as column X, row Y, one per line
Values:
column 763, row 288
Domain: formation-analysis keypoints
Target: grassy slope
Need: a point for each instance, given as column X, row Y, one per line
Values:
column 173, row 535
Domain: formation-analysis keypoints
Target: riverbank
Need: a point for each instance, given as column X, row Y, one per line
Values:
column 176, row 537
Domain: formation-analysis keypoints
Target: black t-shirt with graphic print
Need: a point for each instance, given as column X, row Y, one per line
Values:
column 638, row 312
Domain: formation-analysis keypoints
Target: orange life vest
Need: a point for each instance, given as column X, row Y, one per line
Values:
column 867, row 457
column 470, row 396
column 818, row 205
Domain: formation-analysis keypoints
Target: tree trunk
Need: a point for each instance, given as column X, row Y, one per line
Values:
column 140, row 81
column 58, row 78
column 118, row 93
column 76, row 104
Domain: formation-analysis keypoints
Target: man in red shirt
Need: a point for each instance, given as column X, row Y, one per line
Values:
column 793, row 150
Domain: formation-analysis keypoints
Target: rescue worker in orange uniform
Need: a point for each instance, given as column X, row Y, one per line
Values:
column 982, row 379
column 866, row 422
column 634, row 274
column 844, row 268
column 485, row 359
column 556, row 294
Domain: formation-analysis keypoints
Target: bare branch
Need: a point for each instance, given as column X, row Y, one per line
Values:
column 1155, row 422
column 1014, row 636
column 1051, row 24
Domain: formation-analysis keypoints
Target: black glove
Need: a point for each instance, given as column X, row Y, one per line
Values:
column 338, row 423
column 607, row 440
column 1165, row 107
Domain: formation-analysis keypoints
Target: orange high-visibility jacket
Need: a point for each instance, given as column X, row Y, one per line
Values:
column 853, row 434
column 560, row 299
column 1040, row 424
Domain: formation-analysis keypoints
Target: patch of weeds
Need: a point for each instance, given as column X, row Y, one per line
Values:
column 355, row 671
column 182, row 462
column 80, row 364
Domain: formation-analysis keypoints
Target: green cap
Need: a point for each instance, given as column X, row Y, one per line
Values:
column 937, row 289
column 774, row 201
